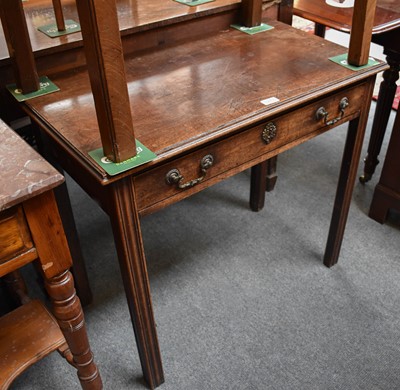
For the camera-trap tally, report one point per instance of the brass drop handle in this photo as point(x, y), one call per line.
point(174, 176)
point(323, 114)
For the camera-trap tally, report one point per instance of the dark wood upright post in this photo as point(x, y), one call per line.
point(251, 12)
point(285, 11)
point(361, 31)
point(128, 239)
point(58, 13)
point(19, 45)
point(348, 172)
point(104, 56)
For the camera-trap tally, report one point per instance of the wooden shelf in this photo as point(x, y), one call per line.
point(27, 334)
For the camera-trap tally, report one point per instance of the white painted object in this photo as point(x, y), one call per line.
point(338, 4)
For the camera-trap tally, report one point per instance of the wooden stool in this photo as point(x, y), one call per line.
point(387, 191)
point(31, 230)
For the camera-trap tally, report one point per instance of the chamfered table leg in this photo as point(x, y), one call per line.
point(384, 103)
point(347, 176)
point(263, 178)
point(128, 239)
point(257, 186)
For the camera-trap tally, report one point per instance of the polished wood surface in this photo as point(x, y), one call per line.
point(31, 230)
point(198, 97)
point(185, 96)
point(133, 15)
point(192, 95)
point(387, 16)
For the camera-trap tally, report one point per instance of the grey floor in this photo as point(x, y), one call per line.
point(241, 299)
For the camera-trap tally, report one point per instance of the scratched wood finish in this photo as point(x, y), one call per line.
point(106, 69)
point(361, 32)
point(194, 96)
point(236, 153)
point(27, 343)
point(19, 46)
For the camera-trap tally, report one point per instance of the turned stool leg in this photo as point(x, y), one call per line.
point(386, 95)
point(67, 310)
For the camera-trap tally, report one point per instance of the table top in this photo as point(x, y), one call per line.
point(133, 16)
point(387, 15)
point(24, 173)
point(188, 95)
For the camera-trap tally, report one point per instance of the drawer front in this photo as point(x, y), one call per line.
point(236, 153)
point(14, 234)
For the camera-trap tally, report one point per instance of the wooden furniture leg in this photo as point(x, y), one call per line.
point(78, 269)
point(127, 236)
point(68, 312)
point(257, 186)
point(387, 191)
point(45, 226)
point(348, 172)
point(16, 288)
point(58, 12)
point(19, 46)
point(386, 95)
point(320, 30)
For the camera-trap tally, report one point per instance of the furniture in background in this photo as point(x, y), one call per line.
point(385, 32)
point(387, 191)
point(31, 230)
point(194, 98)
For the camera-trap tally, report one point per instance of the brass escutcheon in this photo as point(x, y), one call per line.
point(269, 132)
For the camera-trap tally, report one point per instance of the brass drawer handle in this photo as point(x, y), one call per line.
point(174, 176)
point(269, 132)
point(323, 114)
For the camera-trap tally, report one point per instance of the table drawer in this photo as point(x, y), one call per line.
point(15, 238)
point(237, 152)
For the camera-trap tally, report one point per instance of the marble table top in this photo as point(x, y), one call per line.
point(24, 173)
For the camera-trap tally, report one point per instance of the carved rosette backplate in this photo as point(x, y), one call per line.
point(269, 132)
